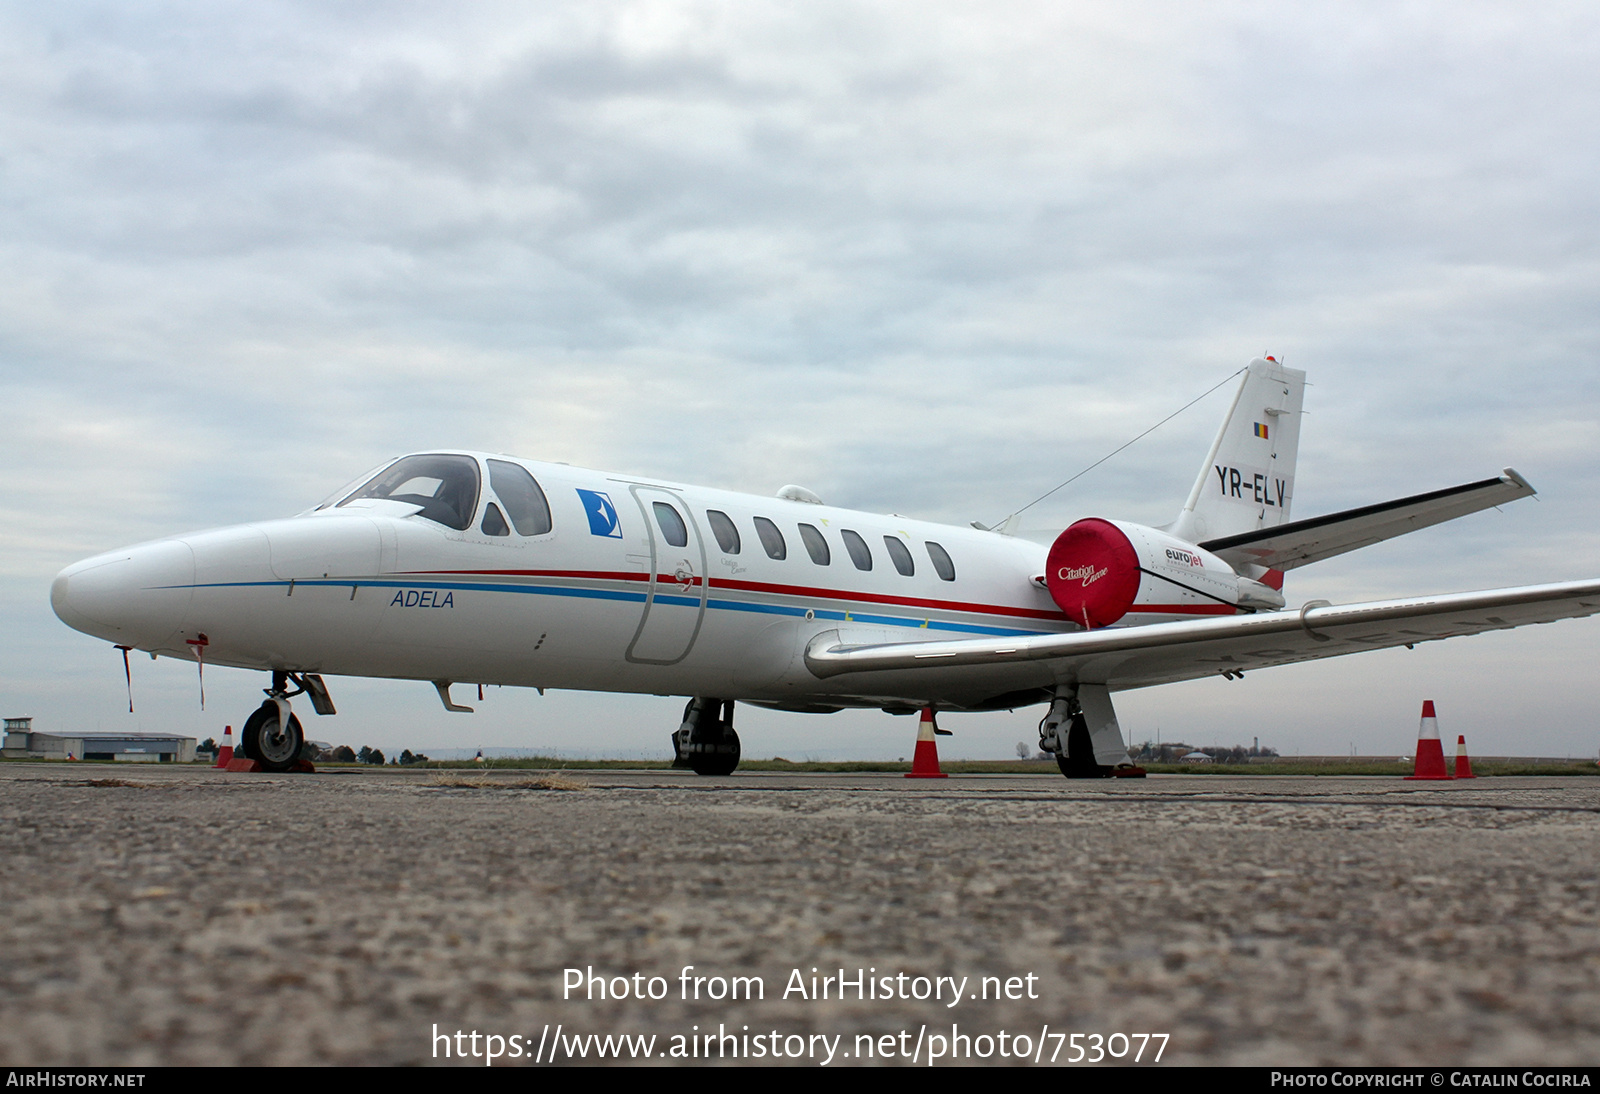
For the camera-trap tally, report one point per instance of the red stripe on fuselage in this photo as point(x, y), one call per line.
point(805, 591)
point(814, 593)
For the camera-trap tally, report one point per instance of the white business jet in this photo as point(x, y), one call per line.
point(484, 569)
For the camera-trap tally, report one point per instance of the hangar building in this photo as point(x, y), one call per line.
point(22, 741)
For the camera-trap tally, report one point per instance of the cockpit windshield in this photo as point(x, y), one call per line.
point(446, 487)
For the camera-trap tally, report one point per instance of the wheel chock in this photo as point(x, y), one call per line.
point(239, 763)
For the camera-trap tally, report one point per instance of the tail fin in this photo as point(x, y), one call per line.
point(1247, 481)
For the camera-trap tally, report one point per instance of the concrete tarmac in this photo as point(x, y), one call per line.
point(163, 915)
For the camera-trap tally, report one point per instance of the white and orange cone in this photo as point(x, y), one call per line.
point(1463, 763)
point(1430, 753)
point(925, 761)
point(225, 753)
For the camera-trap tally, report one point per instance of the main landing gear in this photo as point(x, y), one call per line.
point(706, 741)
point(1079, 749)
point(272, 736)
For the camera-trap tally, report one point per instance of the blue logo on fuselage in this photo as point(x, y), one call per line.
point(602, 514)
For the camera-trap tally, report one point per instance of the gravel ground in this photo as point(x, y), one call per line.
point(159, 915)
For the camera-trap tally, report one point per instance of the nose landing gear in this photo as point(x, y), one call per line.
point(272, 736)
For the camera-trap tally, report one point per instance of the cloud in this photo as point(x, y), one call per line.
point(922, 258)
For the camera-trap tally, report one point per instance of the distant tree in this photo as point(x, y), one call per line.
point(365, 755)
point(342, 755)
point(1023, 751)
point(208, 745)
point(375, 756)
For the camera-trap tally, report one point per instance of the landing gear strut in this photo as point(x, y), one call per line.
point(706, 742)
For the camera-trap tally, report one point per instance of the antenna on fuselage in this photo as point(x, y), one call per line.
point(1008, 525)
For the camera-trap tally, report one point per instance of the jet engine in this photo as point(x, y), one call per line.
point(1101, 570)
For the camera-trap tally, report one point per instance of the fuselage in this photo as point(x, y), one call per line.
point(619, 584)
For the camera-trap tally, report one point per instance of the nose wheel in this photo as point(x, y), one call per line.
point(272, 745)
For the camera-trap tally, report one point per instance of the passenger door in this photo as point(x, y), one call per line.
point(675, 605)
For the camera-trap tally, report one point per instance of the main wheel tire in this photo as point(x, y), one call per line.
point(720, 762)
point(1078, 761)
point(264, 742)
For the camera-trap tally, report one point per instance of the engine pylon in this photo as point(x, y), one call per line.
point(1463, 762)
point(1430, 753)
point(925, 761)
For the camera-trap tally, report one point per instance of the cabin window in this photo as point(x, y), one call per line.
point(726, 531)
point(900, 555)
point(859, 554)
point(941, 561)
point(494, 524)
point(444, 488)
point(672, 526)
point(771, 539)
point(816, 546)
point(520, 494)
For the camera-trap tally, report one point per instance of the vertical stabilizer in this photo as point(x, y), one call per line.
point(1247, 481)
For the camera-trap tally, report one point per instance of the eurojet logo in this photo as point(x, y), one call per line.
point(1087, 574)
point(1184, 557)
point(602, 514)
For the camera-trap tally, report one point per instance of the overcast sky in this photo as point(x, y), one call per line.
point(929, 258)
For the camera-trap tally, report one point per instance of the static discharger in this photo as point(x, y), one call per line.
point(925, 761)
point(1430, 753)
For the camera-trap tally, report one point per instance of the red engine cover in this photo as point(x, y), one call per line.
point(1093, 573)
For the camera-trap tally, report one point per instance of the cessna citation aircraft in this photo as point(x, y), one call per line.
point(462, 567)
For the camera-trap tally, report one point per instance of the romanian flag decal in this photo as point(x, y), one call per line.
point(1261, 431)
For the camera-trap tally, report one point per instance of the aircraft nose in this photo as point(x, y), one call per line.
point(136, 597)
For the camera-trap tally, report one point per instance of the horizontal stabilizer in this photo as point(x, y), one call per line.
point(1305, 541)
point(1161, 653)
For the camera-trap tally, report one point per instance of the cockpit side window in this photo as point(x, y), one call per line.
point(446, 487)
point(493, 523)
point(518, 491)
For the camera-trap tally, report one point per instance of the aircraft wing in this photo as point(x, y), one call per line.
point(1130, 657)
point(1304, 541)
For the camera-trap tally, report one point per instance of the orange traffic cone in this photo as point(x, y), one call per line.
point(925, 761)
point(1463, 764)
point(1430, 753)
point(225, 753)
